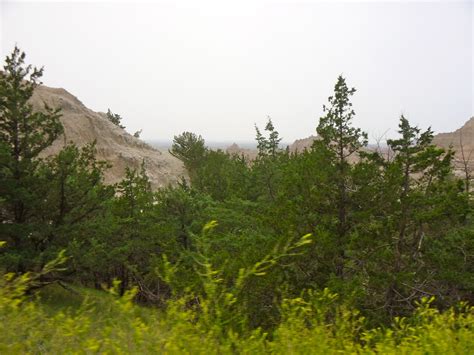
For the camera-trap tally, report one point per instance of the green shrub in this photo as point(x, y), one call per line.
point(312, 323)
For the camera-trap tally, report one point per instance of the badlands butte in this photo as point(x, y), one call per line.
point(113, 144)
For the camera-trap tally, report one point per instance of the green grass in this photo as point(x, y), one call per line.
point(55, 298)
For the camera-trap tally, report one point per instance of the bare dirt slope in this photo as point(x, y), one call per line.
point(300, 145)
point(115, 145)
point(463, 136)
point(248, 154)
point(462, 141)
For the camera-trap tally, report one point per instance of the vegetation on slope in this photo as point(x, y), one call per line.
point(313, 323)
point(330, 249)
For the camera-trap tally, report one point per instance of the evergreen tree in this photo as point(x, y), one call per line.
point(46, 202)
point(136, 234)
point(190, 149)
point(23, 135)
point(265, 169)
point(268, 146)
point(115, 118)
point(73, 204)
point(137, 133)
point(425, 196)
point(342, 140)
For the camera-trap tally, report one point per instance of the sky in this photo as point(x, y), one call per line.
point(217, 68)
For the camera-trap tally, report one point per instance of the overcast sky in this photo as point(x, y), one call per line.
point(218, 67)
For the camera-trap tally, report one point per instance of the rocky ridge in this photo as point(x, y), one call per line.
point(113, 144)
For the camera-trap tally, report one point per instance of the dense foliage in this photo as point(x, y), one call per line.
point(383, 229)
point(313, 323)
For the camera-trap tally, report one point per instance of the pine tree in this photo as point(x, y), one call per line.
point(265, 169)
point(268, 146)
point(137, 133)
point(342, 140)
point(115, 118)
point(190, 149)
point(425, 196)
point(23, 135)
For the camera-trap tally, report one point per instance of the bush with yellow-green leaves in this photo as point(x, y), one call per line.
point(312, 323)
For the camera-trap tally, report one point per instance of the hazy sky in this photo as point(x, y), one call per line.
point(218, 67)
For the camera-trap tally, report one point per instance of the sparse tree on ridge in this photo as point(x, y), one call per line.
point(137, 133)
point(115, 118)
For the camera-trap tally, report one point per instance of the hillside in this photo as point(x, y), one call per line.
point(300, 145)
point(464, 137)
point(121, 149)
point(115, 145)
point(235, 149)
